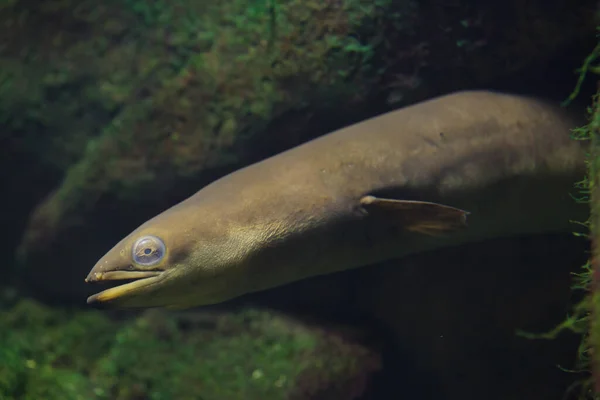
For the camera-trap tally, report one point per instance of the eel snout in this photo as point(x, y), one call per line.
point(140, 281)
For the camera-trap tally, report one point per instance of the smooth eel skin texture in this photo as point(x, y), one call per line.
point(508, 160)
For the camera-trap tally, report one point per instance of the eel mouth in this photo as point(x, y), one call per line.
point(140, 279)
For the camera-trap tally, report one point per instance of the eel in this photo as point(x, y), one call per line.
point(400, 183)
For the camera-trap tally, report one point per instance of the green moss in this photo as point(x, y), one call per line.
point(55, 353)
point(254, 359)
point(46, 353)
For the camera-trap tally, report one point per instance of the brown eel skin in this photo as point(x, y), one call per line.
point(459, 168)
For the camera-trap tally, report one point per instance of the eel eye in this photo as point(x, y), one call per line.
point(148, 250)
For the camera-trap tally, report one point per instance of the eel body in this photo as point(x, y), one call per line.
point(387, 187)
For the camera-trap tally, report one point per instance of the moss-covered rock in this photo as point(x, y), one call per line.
point(68, 354)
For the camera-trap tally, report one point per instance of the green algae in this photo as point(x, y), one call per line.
point(61, 353)
point(47, 352)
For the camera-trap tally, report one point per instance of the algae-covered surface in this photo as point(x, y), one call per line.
point(70, 354)
point(188, 78)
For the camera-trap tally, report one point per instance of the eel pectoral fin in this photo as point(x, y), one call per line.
point(418, 216)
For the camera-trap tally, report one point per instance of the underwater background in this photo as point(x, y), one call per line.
point(112, 111)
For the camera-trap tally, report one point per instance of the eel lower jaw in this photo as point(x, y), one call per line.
point(141, 279)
